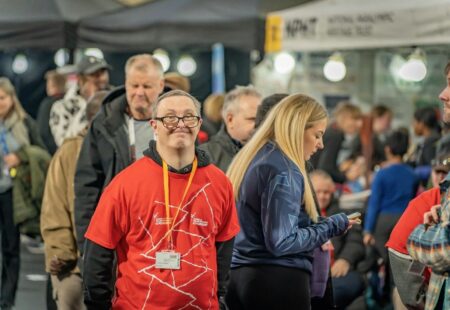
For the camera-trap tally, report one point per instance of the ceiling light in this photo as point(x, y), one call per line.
point(414, 70)
point(186, 65)
point(334, 69)
point(163, 58)
point(20, 64)
point(284, 63)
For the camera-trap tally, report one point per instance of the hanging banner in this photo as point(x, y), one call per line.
point(351, 24)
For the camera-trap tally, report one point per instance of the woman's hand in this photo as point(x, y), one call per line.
point(432, 217)
point(11, 160)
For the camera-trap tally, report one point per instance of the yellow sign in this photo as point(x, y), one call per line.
point(274, 33)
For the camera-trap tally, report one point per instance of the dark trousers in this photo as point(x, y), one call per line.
point(347, 288)
point(268, 287)
point(10, 251)
point(383, 228)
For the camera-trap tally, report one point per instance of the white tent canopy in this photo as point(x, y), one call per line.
point(353, 24)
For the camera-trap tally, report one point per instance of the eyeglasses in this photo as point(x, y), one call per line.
point(172, 121)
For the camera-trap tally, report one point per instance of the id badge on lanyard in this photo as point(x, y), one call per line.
point(170, 259)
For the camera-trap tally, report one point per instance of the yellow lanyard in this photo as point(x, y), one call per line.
point(166, 196)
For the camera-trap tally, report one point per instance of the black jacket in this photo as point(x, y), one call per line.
point(99, 267)
point(221, 149)
point(105, 152)
point(43, 118)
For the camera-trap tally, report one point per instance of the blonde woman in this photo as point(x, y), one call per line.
point(17, 130)
point(272, 256)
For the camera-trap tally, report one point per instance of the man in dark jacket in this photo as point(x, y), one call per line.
point(239, 113)
point(118, 136)
point(346, 251)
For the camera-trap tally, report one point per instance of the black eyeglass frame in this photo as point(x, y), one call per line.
point(175, 125)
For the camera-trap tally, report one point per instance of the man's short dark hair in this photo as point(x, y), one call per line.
point(266, 105)
point(429, 116)
point(380, 110)
point(398, 142)
point(447, 68)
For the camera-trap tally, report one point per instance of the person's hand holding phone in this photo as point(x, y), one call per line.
point(353, 219)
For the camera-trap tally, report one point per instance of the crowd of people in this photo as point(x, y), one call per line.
point(143, 203)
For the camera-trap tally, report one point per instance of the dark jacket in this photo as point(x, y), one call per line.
point(221, 149)
point(326, 159)
point(378, 155)
point(277, 229)
point(426, 152)
point(210, 127)
point(43, 119)
point(105, 152)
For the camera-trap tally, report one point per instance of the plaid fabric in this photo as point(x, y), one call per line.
point(431, 246)
point(438, 281)
point(434, 289)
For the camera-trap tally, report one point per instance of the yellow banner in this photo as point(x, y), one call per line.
point(274, 33)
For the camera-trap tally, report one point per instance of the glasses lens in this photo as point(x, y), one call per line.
point(170, 121)
point(190, 121)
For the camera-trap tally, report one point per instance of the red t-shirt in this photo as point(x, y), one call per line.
point(411, 217)
point(130, 218)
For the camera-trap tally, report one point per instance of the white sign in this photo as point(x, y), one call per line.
point(350, 24)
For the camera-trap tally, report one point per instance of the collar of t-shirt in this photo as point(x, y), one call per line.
point(202, 157)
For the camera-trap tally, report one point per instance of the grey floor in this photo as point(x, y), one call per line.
point(32, 282)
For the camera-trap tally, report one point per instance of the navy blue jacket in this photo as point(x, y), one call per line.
point(275, 228)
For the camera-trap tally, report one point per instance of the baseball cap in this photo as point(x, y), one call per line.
point(91, 64)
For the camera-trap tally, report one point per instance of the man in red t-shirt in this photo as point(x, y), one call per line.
point(171, 219)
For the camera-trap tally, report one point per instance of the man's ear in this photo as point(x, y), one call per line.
point(229, 119)
point(161, 86)
point(152, 123)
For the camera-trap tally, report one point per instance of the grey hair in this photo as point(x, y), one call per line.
point(143, 63)
point(176, 93)
point(232, 98)
point(321, 174)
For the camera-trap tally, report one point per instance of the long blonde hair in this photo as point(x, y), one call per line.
point(285, 125)
point(8, 88)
